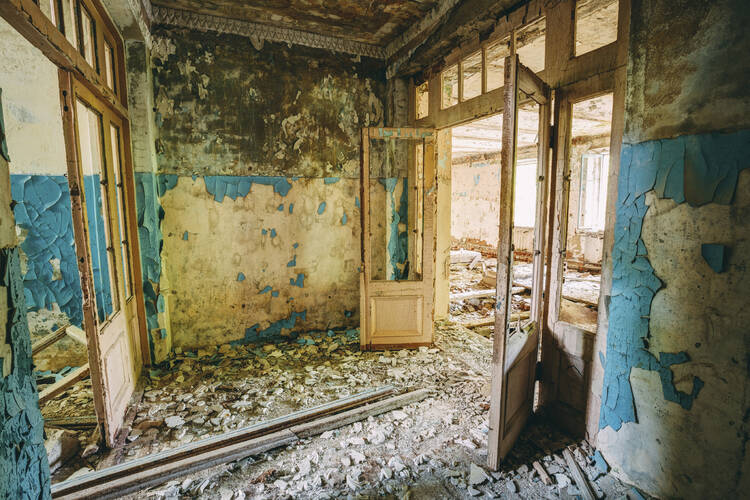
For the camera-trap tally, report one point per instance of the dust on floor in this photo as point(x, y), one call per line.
point(432, 449)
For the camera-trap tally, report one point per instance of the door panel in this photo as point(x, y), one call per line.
point(516, 345)
point(397, 188)
point(112, 353)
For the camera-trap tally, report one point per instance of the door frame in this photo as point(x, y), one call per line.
point(422, 291)
point(70, 89)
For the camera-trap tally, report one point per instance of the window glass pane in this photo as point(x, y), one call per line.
point(109, 65)
point(593, 198)
point(496, 54)
point(450, 86)
point(530, 45)
point(100, 244)
point(596, 24)
point(120, 195)
point(472, 75)
point(89, 38)
point(396, 210)
point(423, 100)
point(70, 22)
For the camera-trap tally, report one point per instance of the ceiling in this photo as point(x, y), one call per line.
point(375, 22)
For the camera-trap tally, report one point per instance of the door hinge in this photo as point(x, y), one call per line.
point(538, 373)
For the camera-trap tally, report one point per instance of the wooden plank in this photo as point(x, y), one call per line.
point(59, 387)
point(539, 468)
point(173, 469)
point(155, 469)
point(72, 422)
point(48, 340)
point(401, 133)
point(531, 85)
point(579, 476)
point(491, 321)
point(76, 334)
point(203, 446)
point(335, 421)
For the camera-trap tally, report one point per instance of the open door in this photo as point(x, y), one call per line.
point(95, 150)
point(398, 203)
point(516, 343)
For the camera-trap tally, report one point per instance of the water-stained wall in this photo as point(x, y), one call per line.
point(256, 199)
point(674, 412)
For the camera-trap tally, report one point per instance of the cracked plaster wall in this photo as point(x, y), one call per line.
point(674, 400)
point(257, 203)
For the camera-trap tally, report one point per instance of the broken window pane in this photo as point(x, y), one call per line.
point(450, 86)
point(530, 45)
point(423, 100)
point(496, 54)
point(596, 24)
point(396, 208)
point(89, 125)
point(109, 65)
point(88, 42)
point(593, 199)
point(114, 134)
point(471, 69)
point(69, 22)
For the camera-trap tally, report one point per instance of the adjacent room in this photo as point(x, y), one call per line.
point(405, 249)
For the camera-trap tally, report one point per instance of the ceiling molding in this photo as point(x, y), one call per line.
point(431, 19)
point(259, 32)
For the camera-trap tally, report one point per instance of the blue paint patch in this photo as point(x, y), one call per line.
point(273, 331)
point(696, 169)
point(600, 462)
point(161, 305)
point(273, 233)
point(240, 276)
point(321, 208)
point(348, 314)
point(331, 180)
point(43, 210)
point(165, 182)
point(295, 245)
point(280, 208)
point(715, 256)
point(266, 289)
point(356, 202)
point(343, 219)
point(291, 208)
point(476, 179)
point(264, 231)
point(234, 185)
point(300, 281)
point(292, 262)
point(275, 293)
point(185, 236)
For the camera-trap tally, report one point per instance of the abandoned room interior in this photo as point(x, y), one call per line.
point(398, 249)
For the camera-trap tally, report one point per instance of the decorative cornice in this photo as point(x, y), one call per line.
point(259, 32)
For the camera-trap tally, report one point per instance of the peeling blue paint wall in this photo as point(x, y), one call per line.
point(24, 470)
point(696, 170)
point(43, 211)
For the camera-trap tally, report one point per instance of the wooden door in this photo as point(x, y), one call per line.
point(516, 344)
point(111, 316)
point(398, 206)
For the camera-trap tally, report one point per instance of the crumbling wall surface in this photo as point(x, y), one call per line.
point(39, 187)
point(675, 392)
point(24, 471)
point(256, 233)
